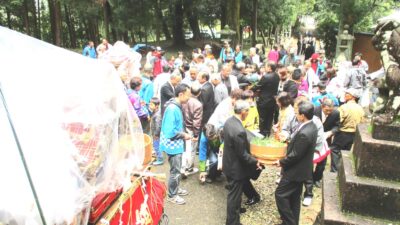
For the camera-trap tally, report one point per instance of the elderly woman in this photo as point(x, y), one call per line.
point(286, 114)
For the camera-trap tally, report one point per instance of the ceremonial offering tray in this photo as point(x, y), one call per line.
point(267, 150)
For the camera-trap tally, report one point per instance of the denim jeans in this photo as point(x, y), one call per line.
point(175, 163)
point(213, 165)
point(156, 147)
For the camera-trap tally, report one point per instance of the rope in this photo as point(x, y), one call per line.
point(21, 153)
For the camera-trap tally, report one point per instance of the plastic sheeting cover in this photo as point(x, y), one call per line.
point(76, 126)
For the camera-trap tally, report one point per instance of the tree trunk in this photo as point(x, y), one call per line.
point(179, 38)
point(191, 13)
point(8, 17)
point(161, 18)
point(233, 16)
point(26, 17)
point(55, 21)
point(106, 10)
point(39, 22)
point(263, 38)
point(254, 23)
point(32, 8)
point(70, 25)
point(133, 36)
point(212, 32)
point(157, 22)
point(223, 13)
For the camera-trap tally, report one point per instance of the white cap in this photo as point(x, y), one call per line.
point(158, 48)
point(207, 46)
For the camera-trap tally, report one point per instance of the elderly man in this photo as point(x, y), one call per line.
point(192, 78)
point(168, 89)
point(220, 90)
point(330, 118)
point(193, 111)
point(297, 165)
point(229, 80)
point(255, 58)
point(351, 114)
point(172, 139)
point(206, 97)
point(237, 162)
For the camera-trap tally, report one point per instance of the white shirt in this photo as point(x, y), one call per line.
point(323, 116)
point(160, 80)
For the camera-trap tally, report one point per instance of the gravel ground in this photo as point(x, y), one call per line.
point(206, 204)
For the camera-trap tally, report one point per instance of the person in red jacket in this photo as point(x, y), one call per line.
point(157, 62)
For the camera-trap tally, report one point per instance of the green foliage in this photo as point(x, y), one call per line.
point(270, 142)
point(137, 20)
point(361, 15)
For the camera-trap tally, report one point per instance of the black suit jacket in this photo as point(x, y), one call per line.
point(237, 163)
point(267, 88)
point(166, 92)
point(207, 99)
point(298, 163)
point(332, 122)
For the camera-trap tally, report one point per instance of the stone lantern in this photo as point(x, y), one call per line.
point(344, 45)
point(227, 34)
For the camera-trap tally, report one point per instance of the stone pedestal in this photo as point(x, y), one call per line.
point(366, 189)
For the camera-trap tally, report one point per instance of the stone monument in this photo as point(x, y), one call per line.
point(344, 45)
point(366, 189)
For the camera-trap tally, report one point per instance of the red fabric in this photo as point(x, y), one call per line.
point(85, 138)
point(156, 191)
point(157, 66)
point(101, 203)
point(314, 61)
point(321, 155)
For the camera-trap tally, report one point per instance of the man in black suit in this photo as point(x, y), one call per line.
point(267, 88)
point(206, 97)
point(330, 118)
point(167, 91)
point(297, 165)
point(237, 163)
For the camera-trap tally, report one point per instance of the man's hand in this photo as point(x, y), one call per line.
point(277, 163)
point(328, 134)
point(259, 165)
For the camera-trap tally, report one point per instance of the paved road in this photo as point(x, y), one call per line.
point(205, 204)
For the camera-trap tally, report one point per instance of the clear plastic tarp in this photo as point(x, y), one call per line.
point(75, 125)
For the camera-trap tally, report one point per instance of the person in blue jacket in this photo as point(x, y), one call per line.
point(316, 100)
point(210, 142)
point(172, 140)
point(89, 50)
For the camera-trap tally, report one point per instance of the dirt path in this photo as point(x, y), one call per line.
point(206, 204)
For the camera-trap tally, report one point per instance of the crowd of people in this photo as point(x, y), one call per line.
point(207, 106)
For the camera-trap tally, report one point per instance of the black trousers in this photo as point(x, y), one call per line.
point(287, 197)
point(319, 170)
point(237, 187)
point(317, 176)
point(308, 192)
point(266, 114)
point(342, 141)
